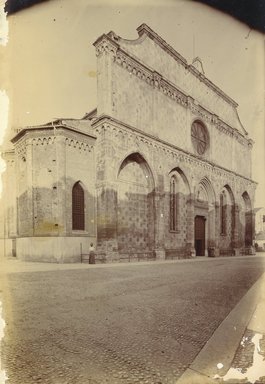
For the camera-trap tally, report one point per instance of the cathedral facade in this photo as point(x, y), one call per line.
point(161, 169)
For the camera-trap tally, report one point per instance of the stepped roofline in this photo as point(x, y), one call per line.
point(145, 30)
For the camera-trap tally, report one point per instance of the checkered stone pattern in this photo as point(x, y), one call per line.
point(226, 239)
point(135, 210)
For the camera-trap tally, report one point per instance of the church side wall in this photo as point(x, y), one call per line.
point(8, 220)
point(51, 164)
point(80, 167)
point(44, 171)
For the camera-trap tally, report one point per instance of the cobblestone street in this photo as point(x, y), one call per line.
point(117, 324)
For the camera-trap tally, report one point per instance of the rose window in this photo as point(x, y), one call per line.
point(199, 137)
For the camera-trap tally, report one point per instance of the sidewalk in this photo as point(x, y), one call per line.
point(14, 265)
point(236, 351)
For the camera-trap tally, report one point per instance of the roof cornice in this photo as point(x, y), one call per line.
point(144, 29)
point(48, 127)
point(105, 119)
point(153, 78)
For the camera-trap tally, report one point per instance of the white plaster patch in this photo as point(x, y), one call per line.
point(253, 373)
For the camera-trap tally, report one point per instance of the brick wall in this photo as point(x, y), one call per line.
point(80, 166)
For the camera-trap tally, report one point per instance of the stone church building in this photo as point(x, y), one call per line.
point(160, 169)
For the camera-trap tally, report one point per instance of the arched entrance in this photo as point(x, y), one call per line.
point(204, 218)
point(227, 220)
point(135, 225)
point(247, 220)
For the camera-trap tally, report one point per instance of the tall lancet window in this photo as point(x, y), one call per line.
point(223, 207)
point(78, 207)
point(173, 204)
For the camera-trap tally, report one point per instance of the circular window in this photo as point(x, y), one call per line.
point(199, 137)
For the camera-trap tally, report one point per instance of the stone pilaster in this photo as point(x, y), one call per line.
point(29, 180)
point(159, 247)
point(213, 235)
point(190, 249)
point(236, 243)
point(105, 51)
point(107, 247)
point(60, 191)
point(216, 246)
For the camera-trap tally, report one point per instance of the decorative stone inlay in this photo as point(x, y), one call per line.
point(170, 152)
point(45, 140)
point(105, 44)
point(21, 150)
point(72, 142)
point(78, 144)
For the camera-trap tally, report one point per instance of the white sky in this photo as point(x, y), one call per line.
point(49, 67)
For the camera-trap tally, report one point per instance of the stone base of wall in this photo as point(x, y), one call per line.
point(160, 254)
point(180, 253)
point(248, 251)
point(228, 252)
point(53, 249)
point(137, 256)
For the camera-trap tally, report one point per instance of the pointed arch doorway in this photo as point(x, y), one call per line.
point(135, 208)
point(204, 218)
point(199, 232)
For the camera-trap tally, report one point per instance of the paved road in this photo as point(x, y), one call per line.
point(140, 323)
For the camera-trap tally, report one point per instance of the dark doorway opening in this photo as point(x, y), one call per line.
point(200, 235)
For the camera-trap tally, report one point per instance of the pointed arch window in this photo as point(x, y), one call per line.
point(248, 219)
point(78, 207)
point(173, 204)
point(223, 213)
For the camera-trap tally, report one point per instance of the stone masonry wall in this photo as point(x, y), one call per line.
point(118, 143)
point(8, 206)
point(148, 108)
point(150, 96)
point(44, 184)
point(149, 51)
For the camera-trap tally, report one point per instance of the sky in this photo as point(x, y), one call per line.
point(49, 62)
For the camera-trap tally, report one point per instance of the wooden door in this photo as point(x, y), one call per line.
point(200, 235)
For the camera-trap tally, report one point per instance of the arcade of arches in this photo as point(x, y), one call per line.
point(175, 219)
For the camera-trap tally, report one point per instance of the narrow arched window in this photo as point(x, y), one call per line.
point(78, 207)
point(173, 204)
point(223, 215)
